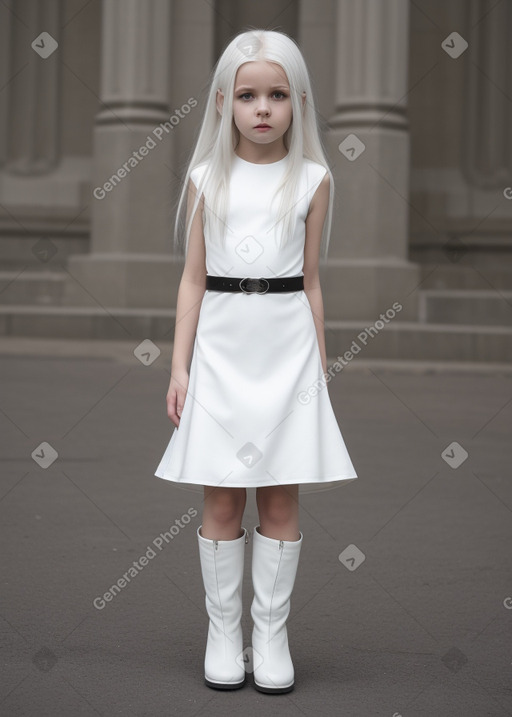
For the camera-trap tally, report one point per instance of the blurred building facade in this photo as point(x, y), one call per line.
point(100, 105)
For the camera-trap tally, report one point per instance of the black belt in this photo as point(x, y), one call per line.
point(253, 285)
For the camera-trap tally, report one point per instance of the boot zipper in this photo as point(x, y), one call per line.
point(246, 537)
point(281, 543)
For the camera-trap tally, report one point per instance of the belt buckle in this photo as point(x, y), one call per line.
point(258, 283)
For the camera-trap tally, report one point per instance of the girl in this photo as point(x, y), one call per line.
point(254, 410)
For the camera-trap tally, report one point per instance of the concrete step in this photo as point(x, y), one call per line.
point(414, 341)
point(345, 339)
point(86, 322)
point(43, 249)
point(466, 306)
point(458, 276)
point(25, 286)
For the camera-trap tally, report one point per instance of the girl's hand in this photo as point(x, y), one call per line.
point(176, 395)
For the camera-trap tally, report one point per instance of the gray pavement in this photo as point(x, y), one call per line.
point(421, 626)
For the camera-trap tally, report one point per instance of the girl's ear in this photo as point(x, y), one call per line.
point(220, 101)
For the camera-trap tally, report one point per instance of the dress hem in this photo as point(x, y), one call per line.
point(179, 481)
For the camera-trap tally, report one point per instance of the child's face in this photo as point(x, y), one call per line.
point(262, 95)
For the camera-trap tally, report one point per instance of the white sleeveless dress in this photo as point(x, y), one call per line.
point(252, 416)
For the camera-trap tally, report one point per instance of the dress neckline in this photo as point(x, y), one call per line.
point(260, 164)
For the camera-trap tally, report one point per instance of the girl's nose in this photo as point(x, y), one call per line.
point(263, 106)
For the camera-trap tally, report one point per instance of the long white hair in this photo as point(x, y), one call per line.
point(218, 137)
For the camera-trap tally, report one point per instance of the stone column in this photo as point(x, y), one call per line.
point(368, 146)
point(5, 78)
point(487, 150)
point(132, 183)
point(30, 65)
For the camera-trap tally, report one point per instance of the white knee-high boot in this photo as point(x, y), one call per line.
point(274, 566)
point(222, 568)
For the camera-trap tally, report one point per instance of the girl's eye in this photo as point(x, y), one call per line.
point(249, 94)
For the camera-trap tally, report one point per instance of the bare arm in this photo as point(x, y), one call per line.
point(314, 226)
point(190, 295)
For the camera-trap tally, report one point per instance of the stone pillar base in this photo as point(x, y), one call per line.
point(362, 289)
point(128, 280)
point(352, 289)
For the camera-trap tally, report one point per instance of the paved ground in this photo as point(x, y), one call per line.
point(422, 626)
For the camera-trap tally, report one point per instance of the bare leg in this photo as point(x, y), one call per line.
point(278, 509)
point(223, 510)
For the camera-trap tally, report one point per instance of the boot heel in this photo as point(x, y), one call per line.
point(224, 685)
